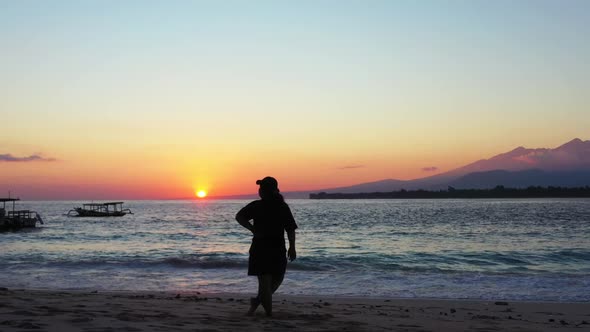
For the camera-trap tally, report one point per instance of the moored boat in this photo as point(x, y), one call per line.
point(108, 209)
point(17, 219)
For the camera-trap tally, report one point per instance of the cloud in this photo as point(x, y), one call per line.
point(430, 169)
point(35, 157)
point(351, 167)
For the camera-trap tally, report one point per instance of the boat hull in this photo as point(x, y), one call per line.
point(86, 213)
point(7, 224)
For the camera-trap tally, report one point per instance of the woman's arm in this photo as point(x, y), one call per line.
point(245, 222)
point(244, 216)
point(291, 253)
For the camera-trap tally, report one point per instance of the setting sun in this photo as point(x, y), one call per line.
point(201, 193)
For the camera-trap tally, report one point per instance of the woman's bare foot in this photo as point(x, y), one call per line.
point(254, 303)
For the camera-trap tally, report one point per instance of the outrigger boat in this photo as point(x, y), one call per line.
point(17, 219)
point(109, 209)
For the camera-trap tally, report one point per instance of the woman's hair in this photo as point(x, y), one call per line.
point(270, 194)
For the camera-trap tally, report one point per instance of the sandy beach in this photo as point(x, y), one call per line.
point(94, 311)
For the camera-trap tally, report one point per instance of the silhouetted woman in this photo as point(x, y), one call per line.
point(268, 256)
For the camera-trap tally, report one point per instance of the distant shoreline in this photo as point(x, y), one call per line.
point(497, 192)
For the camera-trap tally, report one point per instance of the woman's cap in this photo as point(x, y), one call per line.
point(268, 182)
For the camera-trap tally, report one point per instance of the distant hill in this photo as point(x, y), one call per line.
point(567, 165)
point(522, 179)
point(496, 192)
point(573, 155)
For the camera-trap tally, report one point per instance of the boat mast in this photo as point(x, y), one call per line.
point(13, 202)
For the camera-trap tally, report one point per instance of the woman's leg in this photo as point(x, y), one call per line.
point(265, 290)
point(255, 301)
point(277, 280)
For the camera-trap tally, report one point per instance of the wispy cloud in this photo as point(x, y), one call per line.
point(430, 169)
point(7, 157)
point(351, 167)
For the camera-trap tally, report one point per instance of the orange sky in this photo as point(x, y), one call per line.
point(133, 173)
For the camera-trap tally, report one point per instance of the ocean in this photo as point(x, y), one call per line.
point(510, 249)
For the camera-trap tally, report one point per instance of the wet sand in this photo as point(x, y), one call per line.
point(92, 311)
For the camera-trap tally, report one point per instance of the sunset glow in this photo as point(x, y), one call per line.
point(201, 194)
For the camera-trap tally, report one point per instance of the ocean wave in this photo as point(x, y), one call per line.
point(203, 262)
point(574, 255)
point(562, 261)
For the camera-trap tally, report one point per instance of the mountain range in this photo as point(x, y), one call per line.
point(567, 165)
